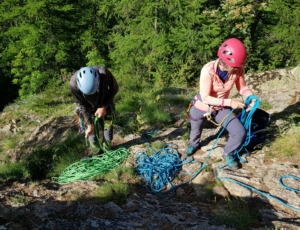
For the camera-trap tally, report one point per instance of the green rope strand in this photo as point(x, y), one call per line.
point(90, 167)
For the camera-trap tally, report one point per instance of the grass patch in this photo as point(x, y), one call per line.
point(9, 142)
point(210, 186)
point(116, 191)
point(49, 162)
point(13, 170)
point(264, 105)
point(115, 184)
point(120, 173)
point(50, 103)
point(20, 200)
point(287, 145)
point(157, 145)
point(146, 106)
point(236, 214)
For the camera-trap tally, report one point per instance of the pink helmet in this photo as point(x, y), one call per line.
point(233, 52)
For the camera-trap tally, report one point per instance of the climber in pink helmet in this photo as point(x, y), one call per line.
point(217, 78)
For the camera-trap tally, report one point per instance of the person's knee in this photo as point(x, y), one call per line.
point(241, 133)
point(92, 138)
point(238, 135)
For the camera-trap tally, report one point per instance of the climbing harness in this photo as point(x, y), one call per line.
point(209, 118)
point(90, 167)
point(207, 115)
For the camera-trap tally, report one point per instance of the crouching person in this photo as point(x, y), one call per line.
point(93, 89)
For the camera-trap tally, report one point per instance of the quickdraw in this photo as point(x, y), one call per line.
point(188, 110)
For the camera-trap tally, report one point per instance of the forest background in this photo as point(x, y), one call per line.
point(146, 44)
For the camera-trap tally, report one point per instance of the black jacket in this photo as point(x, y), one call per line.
point(88, 104)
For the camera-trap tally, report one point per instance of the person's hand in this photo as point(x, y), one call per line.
point(100, 112)
point(235, 104)
point(89, 130)
point(250, 105)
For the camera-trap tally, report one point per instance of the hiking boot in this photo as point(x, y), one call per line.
point(190, 150)
point(231, 162)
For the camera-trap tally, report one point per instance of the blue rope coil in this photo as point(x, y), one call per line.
point(158, 171)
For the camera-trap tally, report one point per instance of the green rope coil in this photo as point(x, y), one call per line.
point(90, 167)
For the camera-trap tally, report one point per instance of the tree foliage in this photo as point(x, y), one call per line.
point(161, 42)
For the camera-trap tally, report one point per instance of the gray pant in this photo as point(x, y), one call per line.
point(105, 134)
point(235, 128)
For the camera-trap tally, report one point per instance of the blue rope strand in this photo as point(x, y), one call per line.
point(246, 119)
point(159, 170)
point(287, 187)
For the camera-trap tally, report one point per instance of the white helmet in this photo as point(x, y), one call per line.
point(87, 80)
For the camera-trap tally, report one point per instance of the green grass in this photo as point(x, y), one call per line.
point(115, 184)
point(51, 161)
point(236, 214)
point(9, 142)
point(13, 170)
point(20, 200)
point(157, 145)
point(50, 103)
point(264, 105)
point(116, 191)
point(287, 145)
point(210, 186)
point(143, 106)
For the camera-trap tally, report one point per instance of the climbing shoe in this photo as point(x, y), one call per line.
point(190, 150)
point(231, 162)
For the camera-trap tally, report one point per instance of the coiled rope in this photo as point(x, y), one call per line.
point(93, 166)
point(90, 167)
point(158, 171)
point(246, 119)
